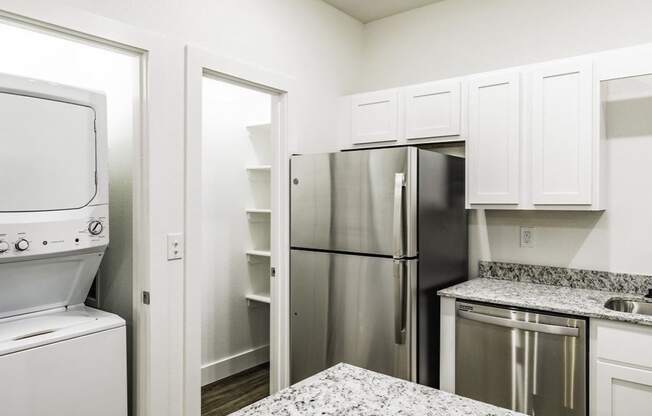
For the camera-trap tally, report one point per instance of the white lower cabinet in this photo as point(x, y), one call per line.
point(622, 390)
point(621, 369)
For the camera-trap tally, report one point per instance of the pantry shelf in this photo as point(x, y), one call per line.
point(259, 298)
point(259, 168)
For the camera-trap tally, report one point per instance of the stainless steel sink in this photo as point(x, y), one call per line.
point(630, 306)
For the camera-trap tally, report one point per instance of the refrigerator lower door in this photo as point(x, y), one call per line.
point(353, 309)
point(358, 202)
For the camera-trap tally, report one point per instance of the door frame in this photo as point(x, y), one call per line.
point(157, 182)
point(198, 63)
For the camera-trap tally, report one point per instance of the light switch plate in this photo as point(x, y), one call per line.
point(175, 246)
point(527, 237)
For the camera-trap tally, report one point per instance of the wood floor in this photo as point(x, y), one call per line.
point(235, 392)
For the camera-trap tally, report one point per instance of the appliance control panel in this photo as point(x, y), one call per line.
point(51, 233)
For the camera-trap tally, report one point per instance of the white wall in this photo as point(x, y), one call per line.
point(40, 55)
point(307, 40)
point(234, 336)
point(458, 37)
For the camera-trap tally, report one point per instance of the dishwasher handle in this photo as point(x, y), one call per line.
point(566, 331)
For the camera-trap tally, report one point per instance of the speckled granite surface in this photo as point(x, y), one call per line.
point(567, 300)
point(351, 391)
point(560, 276)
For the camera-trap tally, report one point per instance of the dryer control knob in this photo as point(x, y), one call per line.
point(4, 246)
point(95, 227)
point(22, 244)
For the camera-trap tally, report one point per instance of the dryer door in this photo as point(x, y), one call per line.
point(48, 156)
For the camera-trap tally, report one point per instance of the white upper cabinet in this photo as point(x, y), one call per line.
point(374, 117)
point(535, 135)
point(432, 109)
point(493, 140)
point(562, 132)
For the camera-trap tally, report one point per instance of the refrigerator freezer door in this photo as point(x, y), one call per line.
point(358, 202)
point(353, 309)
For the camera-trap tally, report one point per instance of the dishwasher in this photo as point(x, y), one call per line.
point(526, 361)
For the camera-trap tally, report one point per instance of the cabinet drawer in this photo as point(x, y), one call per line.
point(622, 342)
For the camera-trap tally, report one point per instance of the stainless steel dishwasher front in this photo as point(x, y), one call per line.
point(526, 361)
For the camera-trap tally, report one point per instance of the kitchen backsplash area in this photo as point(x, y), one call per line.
point(567, 277)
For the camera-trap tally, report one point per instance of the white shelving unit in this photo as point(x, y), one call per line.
point(259, 215)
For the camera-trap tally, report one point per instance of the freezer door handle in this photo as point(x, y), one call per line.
point(400, 302)
point(399, 232)
point(566, 331)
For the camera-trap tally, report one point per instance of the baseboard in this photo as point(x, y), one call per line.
point(234, 364)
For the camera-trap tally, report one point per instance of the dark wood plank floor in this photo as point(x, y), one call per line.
point(235, 392)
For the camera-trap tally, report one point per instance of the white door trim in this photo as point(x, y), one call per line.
point(158, 182)
point(199, 62)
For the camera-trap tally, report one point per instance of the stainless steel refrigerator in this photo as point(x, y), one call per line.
point(374, 235)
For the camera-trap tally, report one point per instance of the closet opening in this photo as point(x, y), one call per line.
point(238, 172)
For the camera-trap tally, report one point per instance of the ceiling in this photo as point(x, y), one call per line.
point(368, 10)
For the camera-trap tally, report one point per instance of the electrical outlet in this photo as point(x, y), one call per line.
point(175, 246)
point(527, 237)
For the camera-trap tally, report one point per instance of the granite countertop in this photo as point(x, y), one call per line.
point(566, 300)
point(347, 390)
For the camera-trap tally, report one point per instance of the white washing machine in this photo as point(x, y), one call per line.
point(57, 356)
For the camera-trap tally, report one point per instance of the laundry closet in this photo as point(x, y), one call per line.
point(237, 223)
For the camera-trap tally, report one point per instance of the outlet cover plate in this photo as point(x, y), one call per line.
point(175, 246)
point(527, 237)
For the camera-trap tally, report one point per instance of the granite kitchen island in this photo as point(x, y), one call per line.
point(348, 390)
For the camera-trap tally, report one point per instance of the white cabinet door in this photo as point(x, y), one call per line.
point(374, 117)
point(622, 390)
point(562, 133)
point(493, 142)
point(432, 109)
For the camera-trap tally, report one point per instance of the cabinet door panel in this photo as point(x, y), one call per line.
point(432, 110)
point(493, 141)
point(562, 133)
point(622, 390)
point(374, 117)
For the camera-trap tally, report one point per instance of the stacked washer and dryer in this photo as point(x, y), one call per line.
point(57, 356)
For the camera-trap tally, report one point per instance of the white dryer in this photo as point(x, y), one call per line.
point(57, 356)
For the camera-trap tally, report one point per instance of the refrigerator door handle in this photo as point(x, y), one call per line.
point(400, 302)
point(399, 232)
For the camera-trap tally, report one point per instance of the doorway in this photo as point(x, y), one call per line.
point(236, 219)
point(236, 281)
